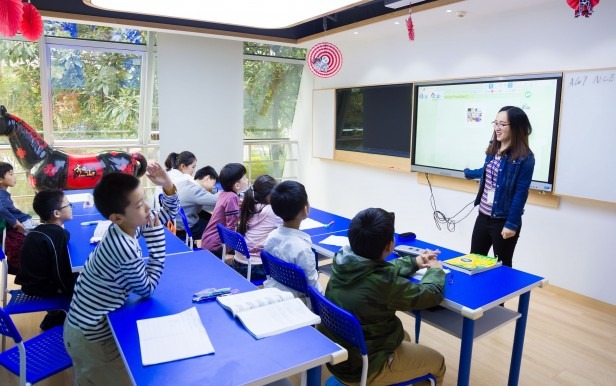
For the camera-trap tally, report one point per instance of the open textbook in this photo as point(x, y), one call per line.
point(269, 311)
point(472, 263)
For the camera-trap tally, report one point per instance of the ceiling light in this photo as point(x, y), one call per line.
point(396, 22)
point(267, 14)
point(355, 33)
point(449, 11)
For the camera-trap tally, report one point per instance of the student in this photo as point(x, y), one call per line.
point(226, 212)
point(45, 266)
point(18, 223)
point(181, 166)
point(114, 269)
point(373, 289)
point(503, 188)
point(257, 220)
point(197, 201)
point(289, 201)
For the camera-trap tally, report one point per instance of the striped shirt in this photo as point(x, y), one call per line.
point(227, 213)
point(114, 269)
point(492, 169)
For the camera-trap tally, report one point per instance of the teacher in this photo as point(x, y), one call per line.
point(503, 189)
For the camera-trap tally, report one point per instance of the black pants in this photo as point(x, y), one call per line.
point(487, 233)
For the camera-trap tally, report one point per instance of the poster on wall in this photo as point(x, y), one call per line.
point(324, 60)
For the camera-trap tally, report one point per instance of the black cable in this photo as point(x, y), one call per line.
point(440, 218)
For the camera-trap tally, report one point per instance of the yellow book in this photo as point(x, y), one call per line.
point(472, 263)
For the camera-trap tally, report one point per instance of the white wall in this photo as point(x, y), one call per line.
point(200, 88)
point(572, 245)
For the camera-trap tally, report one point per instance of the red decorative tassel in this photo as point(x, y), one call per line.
point(582, 7)
point(11, 12)
point(409, 26)
point(31, 24)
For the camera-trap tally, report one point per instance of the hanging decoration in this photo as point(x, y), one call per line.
point(324, 60)
point(11, 12)
point(582, 7)
point(31, 23)
point(409, 26)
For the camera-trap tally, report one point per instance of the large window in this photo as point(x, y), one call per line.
point(272, 76)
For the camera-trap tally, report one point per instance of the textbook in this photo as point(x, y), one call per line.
point(269, 311)
point(472, 263)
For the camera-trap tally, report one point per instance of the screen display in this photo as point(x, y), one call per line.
point(452, 124)
point(375, 119)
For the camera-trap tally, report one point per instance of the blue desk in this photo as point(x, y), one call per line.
point(239, 359)
point(471, 305)
point(80, 208)
point(79, 247)
point(340, 223)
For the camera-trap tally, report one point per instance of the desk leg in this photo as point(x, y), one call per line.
point(518, 340)
point(314, 376)
point(466, 352)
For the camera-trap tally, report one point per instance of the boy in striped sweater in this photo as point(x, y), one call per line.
point(114, 269)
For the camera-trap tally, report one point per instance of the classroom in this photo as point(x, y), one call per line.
point(201, 107)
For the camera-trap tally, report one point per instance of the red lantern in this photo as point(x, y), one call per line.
point(582, 7)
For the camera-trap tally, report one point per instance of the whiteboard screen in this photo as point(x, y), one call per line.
point(323, 123)
point(585, 163)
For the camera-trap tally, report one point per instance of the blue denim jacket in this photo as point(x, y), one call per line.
point(512, 184)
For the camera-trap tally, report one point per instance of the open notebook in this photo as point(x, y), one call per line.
point(269, 311)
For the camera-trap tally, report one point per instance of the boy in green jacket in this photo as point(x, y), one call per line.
point(373, 289)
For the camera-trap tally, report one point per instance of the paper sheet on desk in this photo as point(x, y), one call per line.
point(310, 224)
point(86, 198)
point(99, 232)
point(173, 337)
point(339, 241)
point(421, 272)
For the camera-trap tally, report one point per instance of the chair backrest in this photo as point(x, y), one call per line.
point(3, 277)
point(233, 240)
point(189, 237)
point(7, 327)
point(286, 273)
point(342, 323)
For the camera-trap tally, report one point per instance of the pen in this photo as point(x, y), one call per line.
point(330, 224)
point(90, 222)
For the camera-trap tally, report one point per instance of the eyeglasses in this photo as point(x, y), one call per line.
point(69, 205)
point(500, 125)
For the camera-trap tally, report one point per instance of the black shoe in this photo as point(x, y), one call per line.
point(52, 319)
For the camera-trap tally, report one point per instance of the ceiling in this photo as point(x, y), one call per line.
point(368, 12)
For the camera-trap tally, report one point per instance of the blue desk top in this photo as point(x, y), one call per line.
point(469, 295)
point(79, 247)
point(239, 358)
point(340, 223)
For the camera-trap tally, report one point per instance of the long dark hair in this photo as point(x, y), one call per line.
point(258, 193)
point(174, 160)
point(520, 129)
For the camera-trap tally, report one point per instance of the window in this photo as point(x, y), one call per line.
point(95, 93)
point(272, 76)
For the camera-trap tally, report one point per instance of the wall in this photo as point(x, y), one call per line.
point(200, 88)
point(571, 245)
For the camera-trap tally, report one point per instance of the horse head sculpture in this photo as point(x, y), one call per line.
point(49, 168)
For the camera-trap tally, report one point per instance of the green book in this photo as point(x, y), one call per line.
point(472, 263)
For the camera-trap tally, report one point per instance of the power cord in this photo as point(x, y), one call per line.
point(440, 218)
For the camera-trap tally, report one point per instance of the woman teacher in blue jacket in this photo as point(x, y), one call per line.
point(503, 189)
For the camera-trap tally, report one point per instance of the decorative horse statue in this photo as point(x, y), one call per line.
point(49, 168)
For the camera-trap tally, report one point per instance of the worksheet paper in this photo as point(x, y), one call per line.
point(310, 224)
point(173, 337)
point(339, 241)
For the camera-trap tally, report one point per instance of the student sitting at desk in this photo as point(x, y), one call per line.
point(116, 268)
point(198, 202)
point(373, 289)
point(257, 220)
point(227, 210)
point(44, 263)
point(290, 202)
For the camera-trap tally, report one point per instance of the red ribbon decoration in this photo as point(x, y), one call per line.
point(582, 7)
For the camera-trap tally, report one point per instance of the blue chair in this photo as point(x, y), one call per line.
point(35, 359)
point(236, 241)
point(21, 303)
point(189, 237)
point(345, 325)
point(286, 273)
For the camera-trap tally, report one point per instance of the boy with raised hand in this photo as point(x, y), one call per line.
point(289, 201)
point(373, 289)
point(227, 210)
point(114, 269)
point(45, 266)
